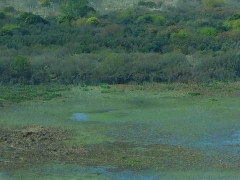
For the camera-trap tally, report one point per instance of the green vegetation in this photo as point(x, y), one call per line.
point(17, 94)
point(29, 18)
point(158, 87)
point(128, 127)
point(195, 42)
point(44, 3)
point(208, 31)
point(76, 8)
point(213, 3)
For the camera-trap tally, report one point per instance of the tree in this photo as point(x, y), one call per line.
point(213, 3)
point(151, 19)
point(30, 18)
point(21, 67)
point(44, 3)
point(2, 15)
point(76, 8)
point(208, 31)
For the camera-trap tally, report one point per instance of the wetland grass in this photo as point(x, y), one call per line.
point(138, 128)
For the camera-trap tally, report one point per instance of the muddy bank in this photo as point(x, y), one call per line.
point(21, 147)
point(24, 147)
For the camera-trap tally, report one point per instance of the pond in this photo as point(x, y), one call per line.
point(147, 135)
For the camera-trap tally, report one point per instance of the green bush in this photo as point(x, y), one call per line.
point(67, 20)
point(93, 21)
point(21, 67)
point(126, 16)
point(44, 3)
point(213, 3)
point(76, 8)
point(2, 15)
point(208, 31)
point(182, 34)
point(30, 18)
point(9, 9)
point(194, 93)
point(151, 19)
point(8, 29)
point(149, 4)
point(232, 24)
point(236, 24)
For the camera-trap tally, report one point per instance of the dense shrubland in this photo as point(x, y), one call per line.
point(188, 42)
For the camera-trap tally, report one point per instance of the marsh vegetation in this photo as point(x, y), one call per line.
point(131, 132)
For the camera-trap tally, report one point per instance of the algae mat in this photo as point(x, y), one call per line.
point(133, 134)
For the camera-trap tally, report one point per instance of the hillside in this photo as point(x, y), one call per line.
point(162, 41)
point(104, 6)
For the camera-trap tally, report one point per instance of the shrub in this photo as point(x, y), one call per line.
point(76, 8)
point(2, 15)
point(151, 18)
point(82, 49)
point(232, 24)
point(182, 34)
point(236, 24)
point(194, 93)
point(213, 3)
point(44, 3)
point(8, 29)
point(30, 18)
point(234, 17)
point(9, 9)
point(66, 20)
point(110, 67)
point(208, 31)
point(93, 21)
point(21, 67)
point(86, 21)
point(126, 16)
point(149, 4)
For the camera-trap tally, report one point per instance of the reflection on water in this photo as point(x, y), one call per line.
point(79, 172)
point(74, 172)
point(80, 117)
point(188, 122)
point(234, 139)
point(2, 175)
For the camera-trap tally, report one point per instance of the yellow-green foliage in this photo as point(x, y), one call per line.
point(80, 22)
point(151, 18)
point(236, 24)
point(232, 24)
point(213, 3)
point(227, 24)
point(111, 63)
point(44, 3)
point(123, 15)
point(182, 34)
point(230, 35)
point(20, 66)
point(8, 28)
point(208, 31)
point(93, 21)
point(87, 21)
point(67, 20)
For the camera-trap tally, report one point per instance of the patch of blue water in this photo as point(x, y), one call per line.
point(80, 117)
point(122, 175)
point(64, 171)
point(3, 176)
point(234, 139)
